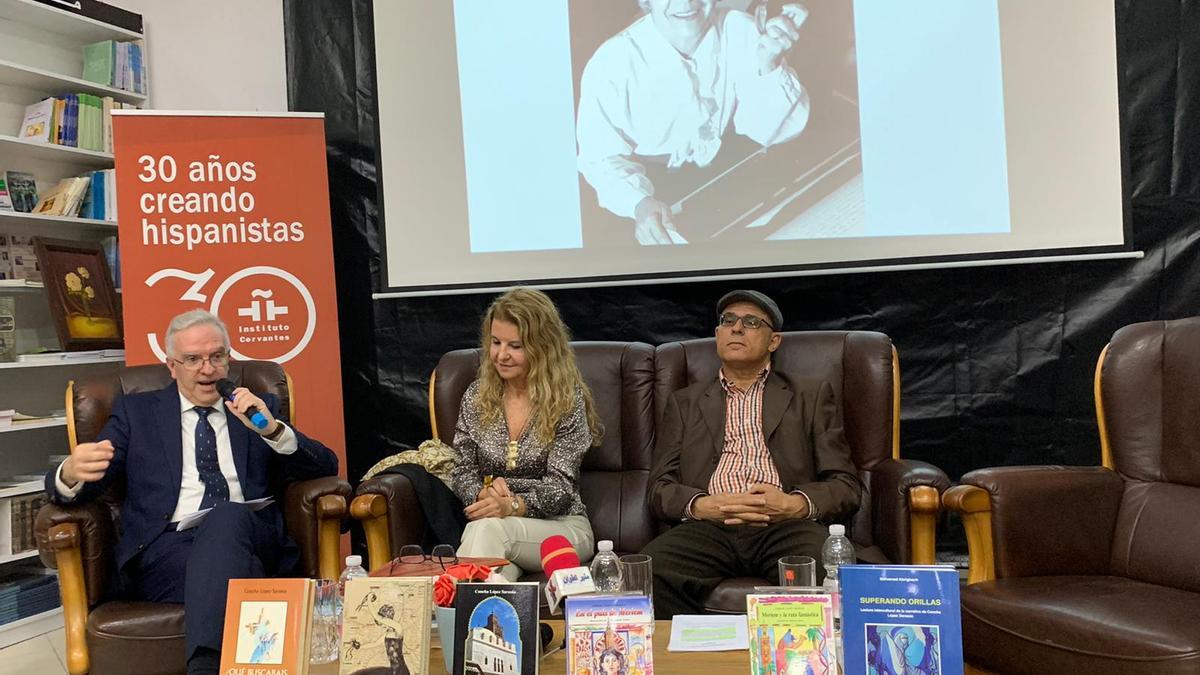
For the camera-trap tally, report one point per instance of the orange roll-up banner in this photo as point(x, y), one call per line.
point(229, 212)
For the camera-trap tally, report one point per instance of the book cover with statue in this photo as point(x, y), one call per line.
point(496, 628)
point(901, 619)
point(268, 623)
point(791, 633)
point(386, 625)
point(609, 634)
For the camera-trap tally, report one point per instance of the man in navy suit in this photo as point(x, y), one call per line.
point(183, 449)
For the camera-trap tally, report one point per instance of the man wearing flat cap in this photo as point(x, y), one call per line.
point(750, 464)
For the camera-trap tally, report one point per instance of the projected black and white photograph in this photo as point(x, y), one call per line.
point(707, 119)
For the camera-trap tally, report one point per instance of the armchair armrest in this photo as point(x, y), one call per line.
point(1015, 515)
point(905, 504)
point(76, 539)
point(313, 510)
point(391, 516)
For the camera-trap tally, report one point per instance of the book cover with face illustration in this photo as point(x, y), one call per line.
point(386, 625)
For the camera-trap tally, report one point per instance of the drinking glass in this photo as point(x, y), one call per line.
point(325, 639)
point(797, 570)
point(637, 575)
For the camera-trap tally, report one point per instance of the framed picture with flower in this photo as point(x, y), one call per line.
point(81, 295)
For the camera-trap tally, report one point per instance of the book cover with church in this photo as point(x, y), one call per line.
point(268, 623)
point(609, 634)
point(901, 619)
point(496, 628)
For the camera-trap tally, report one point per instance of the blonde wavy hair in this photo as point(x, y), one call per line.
point(553, 374)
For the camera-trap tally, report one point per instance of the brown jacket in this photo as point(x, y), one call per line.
point(802, 423)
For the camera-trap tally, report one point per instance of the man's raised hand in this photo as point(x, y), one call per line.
point(88, 463)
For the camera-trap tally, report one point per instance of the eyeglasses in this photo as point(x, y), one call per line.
point(196, 362)
point(442, 554)
point(749, 321)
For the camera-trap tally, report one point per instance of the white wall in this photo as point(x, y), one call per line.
point(214, 54)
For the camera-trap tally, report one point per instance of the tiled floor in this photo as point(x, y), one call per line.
point(42, 654)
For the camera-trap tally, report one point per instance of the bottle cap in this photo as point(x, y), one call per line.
point(604, 545)
point(837, 530)
point(354, 561)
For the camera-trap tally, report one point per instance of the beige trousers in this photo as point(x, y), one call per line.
point(520, 540)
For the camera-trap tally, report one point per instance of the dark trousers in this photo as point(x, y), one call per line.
point(692, 558)
point(194, 566)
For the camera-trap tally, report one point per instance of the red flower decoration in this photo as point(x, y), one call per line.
point(444, 587)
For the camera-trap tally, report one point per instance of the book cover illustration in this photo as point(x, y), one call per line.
point(901, 619)
point(496, 629)
point(611, 635)
point(22, 189)
point(791, 633)
point(267, 624)
point(386, 625)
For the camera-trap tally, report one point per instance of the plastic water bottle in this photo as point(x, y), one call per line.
point(354, 570)
point(836, 552)
point(606, 568)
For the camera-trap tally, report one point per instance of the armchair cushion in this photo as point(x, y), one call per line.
point(1051, 520)
point(1077, 624)
point(153, 629)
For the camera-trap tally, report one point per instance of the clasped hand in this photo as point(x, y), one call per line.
point(760, 506)
point(494, 501)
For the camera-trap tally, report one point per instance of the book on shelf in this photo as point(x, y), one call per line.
point(268, 624)
point(791, 633)
point(22, 188)
point(72, 357)
point(116, 64)
point(27, 591)
point(496, 628)
point(609, 631)
point(18, 513)
point(386, 625)
point(8, 328)
point(22, 255)
point(39, 122)
point(901, 619)
point(65, 198)
point(6, 203)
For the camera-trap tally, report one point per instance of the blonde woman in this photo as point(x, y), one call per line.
point(523, 429)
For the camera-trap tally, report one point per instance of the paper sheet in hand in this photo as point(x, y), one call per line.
point(193, 519)
point(708, 633)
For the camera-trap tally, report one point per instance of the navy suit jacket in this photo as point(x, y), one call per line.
point(148, 441)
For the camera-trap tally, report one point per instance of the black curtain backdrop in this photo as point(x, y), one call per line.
point(996, 362)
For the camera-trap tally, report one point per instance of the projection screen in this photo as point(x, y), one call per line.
point(556, 141)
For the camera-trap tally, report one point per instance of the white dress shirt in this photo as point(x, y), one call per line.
point(191, 488)
point(641, 96)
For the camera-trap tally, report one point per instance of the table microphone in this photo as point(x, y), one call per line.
point(225, 389)
point(565, 575)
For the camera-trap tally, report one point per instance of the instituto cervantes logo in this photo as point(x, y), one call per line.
point(269, 311)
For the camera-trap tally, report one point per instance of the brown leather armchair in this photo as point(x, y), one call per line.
point(1097, 569)
point(631, 381)
point(613, 476)
point(897, 517)
point(146, 637)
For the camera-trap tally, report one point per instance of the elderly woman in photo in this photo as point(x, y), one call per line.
point(523, 429)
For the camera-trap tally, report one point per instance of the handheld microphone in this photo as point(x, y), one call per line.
point(566, 576)
point(225, 389)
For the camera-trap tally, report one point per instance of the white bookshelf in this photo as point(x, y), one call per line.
point(30, 627)
point(54, 20)
point(15, 220)
point(41, 54)
point(18, 149)
point(50, 83)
